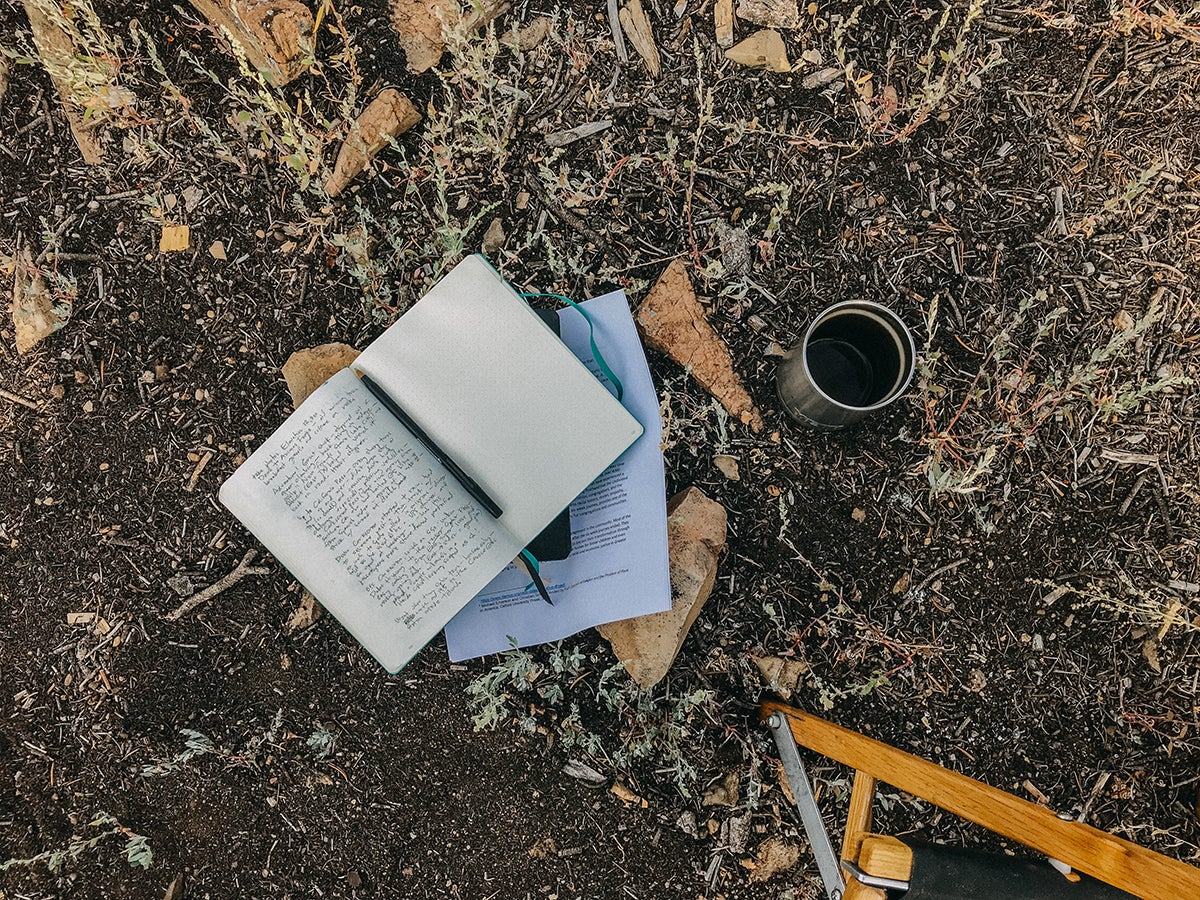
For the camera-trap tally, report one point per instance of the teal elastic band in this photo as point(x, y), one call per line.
point(596, 354)
point(535, 570)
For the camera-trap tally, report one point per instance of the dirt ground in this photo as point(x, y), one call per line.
point(1000, 573)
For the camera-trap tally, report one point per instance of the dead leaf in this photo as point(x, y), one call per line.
point(902, 583)
point(174, 889)
point(1123, 321)
point(773, 856)
point(784, 784)
point(1150, 651)
point(307, 613)
point(307, 370)
point(625, 795)
point(35, 314)
point(782, 674)
point(725, 793)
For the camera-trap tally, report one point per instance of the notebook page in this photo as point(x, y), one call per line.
point(492, 385)
point(367, 520)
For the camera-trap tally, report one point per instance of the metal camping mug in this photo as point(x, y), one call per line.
point(856, 357)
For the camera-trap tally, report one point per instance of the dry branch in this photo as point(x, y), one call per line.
point(241, 571)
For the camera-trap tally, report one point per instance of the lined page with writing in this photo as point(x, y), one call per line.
point(368, 521)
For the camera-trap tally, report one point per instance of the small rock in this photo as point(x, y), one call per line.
point(544, 848)
point(695, 539)
point(307, 370)
point(762, 50)
point(736, 249)
point(902, 583)
point(672, 321)
point(773, 856)
point(388, 115)
point(493, 238)
point(181, 585)
point(739, 834)
point(217, 249)
point(687, 823)
point(725, 793)
point(770, 13)
point(305, 615)
point(192, 195)
point(422, 25)
point(728, 466)
point(782, 674)
point(859, 515)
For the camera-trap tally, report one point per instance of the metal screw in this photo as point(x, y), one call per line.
point(773, 720)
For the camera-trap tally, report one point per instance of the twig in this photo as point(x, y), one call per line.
point(204, 460)
point(243, 569)
point(1087, 73)
point(934, 574)
point(614, 23)
point(17, 398)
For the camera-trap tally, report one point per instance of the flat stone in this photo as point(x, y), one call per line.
point(307, 370)
point(695, 538)
point(672, 321)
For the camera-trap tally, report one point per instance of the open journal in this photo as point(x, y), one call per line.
point(370, 522)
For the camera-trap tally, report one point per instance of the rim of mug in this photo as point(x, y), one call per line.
point(895, 326)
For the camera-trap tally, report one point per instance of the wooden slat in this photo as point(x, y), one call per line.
point(886, 857)
point(1122, 864)
point(858, 820)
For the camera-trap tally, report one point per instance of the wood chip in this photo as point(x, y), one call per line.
point(762, 50)
point(388, 115)
point(422, 25)
point(723, 21)
point(587, 129)
point(1129, 459)
point(35, 313)
point(81, 618)
point(63, 60)
point(174, 237)
point(625, 795)
point(275, 35)
point(637, 27)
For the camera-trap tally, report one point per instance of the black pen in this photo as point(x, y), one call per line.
point(426, 441)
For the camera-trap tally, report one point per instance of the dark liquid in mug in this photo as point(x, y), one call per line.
point(841, 370)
